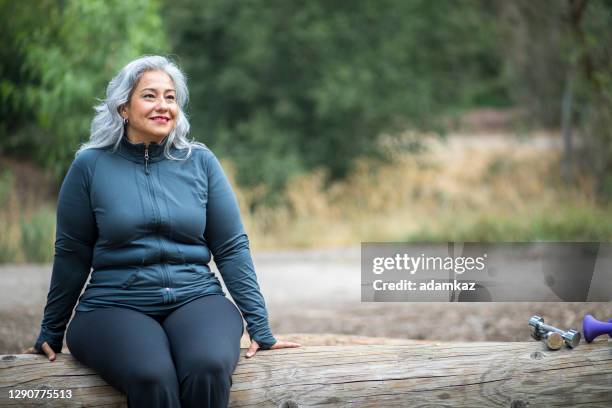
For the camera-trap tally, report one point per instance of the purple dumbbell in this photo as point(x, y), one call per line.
point(592, 328)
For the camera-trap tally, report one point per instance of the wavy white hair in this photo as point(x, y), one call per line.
point(107, 125)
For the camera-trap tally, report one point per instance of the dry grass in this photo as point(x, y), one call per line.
point(27, 216)
point(436, 195)
point(26, 232)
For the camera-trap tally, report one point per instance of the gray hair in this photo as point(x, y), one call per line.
point(107, 125)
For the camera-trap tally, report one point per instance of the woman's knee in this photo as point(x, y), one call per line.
point(214, 366)
point(150, 376)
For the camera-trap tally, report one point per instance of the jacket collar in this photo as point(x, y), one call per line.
point(136, 151)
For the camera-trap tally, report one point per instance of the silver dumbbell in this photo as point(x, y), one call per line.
point(540, 330)
point(553, 340)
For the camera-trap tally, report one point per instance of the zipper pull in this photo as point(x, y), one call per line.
point(146, 157)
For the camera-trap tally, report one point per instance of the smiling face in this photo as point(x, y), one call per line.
point(152, 109)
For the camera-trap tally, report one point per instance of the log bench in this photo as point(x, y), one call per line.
point(421, 374)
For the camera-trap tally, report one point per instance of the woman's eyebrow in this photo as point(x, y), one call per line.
point(155, 90)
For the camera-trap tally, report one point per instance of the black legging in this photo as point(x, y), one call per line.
point(185, 359)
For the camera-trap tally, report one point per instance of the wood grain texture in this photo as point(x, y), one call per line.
point(484, 374)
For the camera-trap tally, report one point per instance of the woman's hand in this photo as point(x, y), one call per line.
point(46, 349)
point(278, 345)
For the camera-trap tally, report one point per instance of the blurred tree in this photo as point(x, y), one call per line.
point(283, 87)
point(55, 59)
point(592, 35)
point(559, 65)
point(535, 63)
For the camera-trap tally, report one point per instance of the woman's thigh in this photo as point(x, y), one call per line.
point(122, 346)
point(205, 332)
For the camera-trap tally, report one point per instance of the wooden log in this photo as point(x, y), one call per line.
point(483, 374)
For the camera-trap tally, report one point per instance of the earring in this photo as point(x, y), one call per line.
point(125, 121)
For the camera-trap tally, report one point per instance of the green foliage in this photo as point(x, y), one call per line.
point(57, 59)
point(37, 236)
point(282, 88)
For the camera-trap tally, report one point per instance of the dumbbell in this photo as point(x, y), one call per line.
point(553, 340)
point(593, 328)
point(541, 331)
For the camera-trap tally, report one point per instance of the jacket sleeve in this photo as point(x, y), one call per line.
point(229, 246)
point(76, 233)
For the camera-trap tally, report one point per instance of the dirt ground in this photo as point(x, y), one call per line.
point(318, 292)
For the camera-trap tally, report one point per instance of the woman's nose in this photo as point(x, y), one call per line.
point(162, 104)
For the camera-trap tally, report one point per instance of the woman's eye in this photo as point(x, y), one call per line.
point(149, 96)
point(170, 97)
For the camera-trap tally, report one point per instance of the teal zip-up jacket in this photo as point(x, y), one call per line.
point(146, 227)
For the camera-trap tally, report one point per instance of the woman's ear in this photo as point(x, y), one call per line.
point(122, 111)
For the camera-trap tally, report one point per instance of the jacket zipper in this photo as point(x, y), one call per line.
point(146, 157)
point(165, 277)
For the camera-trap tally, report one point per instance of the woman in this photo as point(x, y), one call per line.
point(146, 209)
